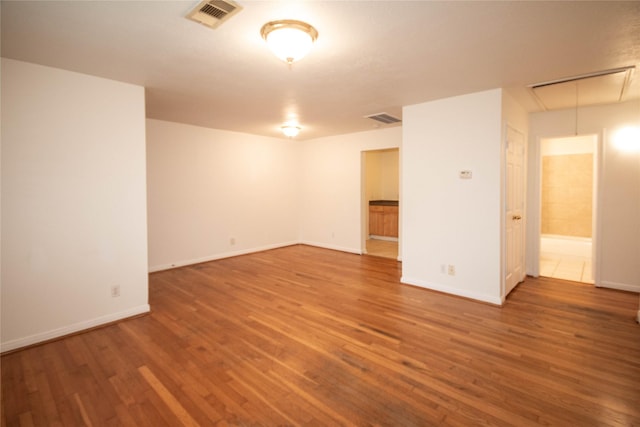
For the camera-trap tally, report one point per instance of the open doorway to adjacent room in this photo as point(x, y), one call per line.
point(568, 189)
point(380, 198)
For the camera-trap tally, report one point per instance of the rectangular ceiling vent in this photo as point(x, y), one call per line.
point(384, 118)
point(212, 13)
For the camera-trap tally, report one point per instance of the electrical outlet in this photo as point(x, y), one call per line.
point(451, 270)
point(232, 241)
point(115, 291)
point(443, 268)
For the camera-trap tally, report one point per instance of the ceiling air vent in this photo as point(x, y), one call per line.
point(384, 118)
point(212, 13)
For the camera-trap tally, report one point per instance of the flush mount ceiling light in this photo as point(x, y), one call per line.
point(289, 40)
point(290, 130)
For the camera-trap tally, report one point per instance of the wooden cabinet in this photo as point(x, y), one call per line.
point(390, 221)
point(376, 220)
point(383, 221)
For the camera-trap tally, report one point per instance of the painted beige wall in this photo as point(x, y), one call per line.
point(214, 194)
point(567, 189)
point(448, 220)
point(331, 194)
point(207, 186)
point(382, 174)
point(74, 217)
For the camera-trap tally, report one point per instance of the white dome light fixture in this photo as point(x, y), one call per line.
point(290, 130)
point(288, 39)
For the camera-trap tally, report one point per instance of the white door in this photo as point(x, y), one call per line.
point(514, 210)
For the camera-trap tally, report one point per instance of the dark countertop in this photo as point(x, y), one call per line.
point(383, 203)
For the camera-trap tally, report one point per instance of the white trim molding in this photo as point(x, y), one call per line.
point(491, 299)
point(619, 286)
point(183, 263)
point(76, 327)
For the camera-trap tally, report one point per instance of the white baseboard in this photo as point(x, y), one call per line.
point(76, 327)
point(223, 255)
point(619, 286)
point(176, 264)
point(496, 300)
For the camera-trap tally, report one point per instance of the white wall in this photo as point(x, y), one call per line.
point(585, 144)
point(207, 187)
point(447, 220)
point(382, 171)
point(331, 203)
point(513, 114)
point(619, 190)
point(73, 211)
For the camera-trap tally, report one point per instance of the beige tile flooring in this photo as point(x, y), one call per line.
point(566, 260)
point(382, 248)
point(566, 267)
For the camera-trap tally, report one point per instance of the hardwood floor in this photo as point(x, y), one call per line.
point(307, 336)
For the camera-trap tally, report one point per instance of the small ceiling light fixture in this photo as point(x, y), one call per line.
point(290, 130)
point(288, 39)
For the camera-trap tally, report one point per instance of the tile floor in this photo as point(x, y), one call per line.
point(566, 259)
point(566, 267)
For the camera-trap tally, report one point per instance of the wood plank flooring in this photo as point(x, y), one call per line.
point(307, 336)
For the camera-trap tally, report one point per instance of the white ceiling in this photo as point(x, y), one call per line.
point(370, 57)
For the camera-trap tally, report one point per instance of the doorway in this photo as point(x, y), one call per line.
point(380, 199)
point(567, 209)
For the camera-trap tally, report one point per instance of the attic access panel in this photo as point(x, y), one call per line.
point(606, 87)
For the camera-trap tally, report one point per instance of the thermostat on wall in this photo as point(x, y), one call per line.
point(466, 174)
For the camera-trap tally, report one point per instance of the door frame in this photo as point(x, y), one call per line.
point(535, 213)
point(364, 202)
